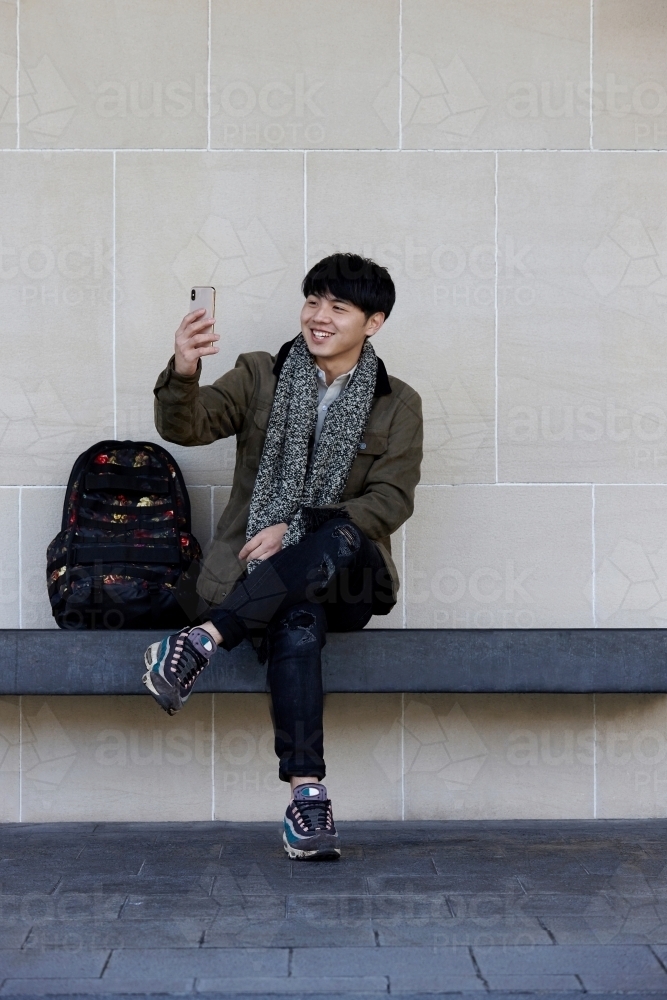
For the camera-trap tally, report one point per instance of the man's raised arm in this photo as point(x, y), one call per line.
point(187, 414)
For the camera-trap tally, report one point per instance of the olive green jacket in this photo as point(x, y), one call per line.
point(378, 496)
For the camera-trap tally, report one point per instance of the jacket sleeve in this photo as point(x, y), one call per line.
point(189, 415)
point(389, 492)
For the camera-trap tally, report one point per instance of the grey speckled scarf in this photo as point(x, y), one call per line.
point(286, 486)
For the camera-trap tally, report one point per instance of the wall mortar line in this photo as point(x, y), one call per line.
point(495, 305)
point(208, 82)
point(404, 532)
point(593, 560)
point(305, 212)
point(392, 150)
point(113, 301)
point(18, 73)
point(590, 78)
point(400, 74)
point(20, 554)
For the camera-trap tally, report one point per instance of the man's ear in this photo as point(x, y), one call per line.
point(373, 323)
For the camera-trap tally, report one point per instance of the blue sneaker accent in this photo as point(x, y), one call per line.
point(309, 831)
point(174, 664)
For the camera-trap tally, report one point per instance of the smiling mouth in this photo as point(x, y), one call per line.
point(320, 335)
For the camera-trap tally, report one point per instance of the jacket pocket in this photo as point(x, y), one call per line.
point(371, 446)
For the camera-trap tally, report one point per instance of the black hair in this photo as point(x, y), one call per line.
point(354, 279)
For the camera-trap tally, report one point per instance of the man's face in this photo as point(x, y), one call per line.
point(333, 327)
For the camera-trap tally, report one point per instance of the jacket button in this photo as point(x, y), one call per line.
point(362, 446)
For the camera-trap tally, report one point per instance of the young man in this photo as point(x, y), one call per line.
point(328, 455)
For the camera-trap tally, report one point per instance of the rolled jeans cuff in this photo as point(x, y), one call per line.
point(230, 628)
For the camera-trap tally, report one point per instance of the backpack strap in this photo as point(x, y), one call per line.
point(114, 554)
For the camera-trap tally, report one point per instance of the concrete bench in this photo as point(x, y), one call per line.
point(53, 662)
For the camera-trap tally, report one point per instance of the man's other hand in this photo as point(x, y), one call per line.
point(265, 543)
point(194, 340)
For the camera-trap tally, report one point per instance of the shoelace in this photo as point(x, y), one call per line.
point(315, 815)
point(189, 664)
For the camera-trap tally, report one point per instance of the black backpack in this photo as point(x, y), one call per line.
point(125, 556)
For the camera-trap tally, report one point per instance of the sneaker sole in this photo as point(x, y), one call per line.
point(163, 698)
point(324, 854)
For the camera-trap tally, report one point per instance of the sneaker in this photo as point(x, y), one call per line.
point(174, 665)
point(309, 829)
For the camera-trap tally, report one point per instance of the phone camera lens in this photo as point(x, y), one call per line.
point(192, 294)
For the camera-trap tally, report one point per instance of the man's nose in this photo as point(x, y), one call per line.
point(322, 314)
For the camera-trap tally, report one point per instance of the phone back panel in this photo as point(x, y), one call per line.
point(203, 297)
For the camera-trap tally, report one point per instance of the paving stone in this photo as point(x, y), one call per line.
point(137, 885)
point(53, 962)
point(19, 884)
point(209, 962)
point(619, 961)
point(546, 904)
point(96, 987)
point(13, 935)
point(176, 907)
point(32, 907)
point(392, 885)
point(289, 933)
point(555, 885)
point(536, 984)
point(356, 985)
point(440, 983)
point(332, 886)
point(524, 931)
point(614, 921)
point(372, 867)
point(630, 979)
point(384, 961)
point(91, 933)
point(345, 909)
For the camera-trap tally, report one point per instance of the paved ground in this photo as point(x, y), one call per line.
point(511, 909)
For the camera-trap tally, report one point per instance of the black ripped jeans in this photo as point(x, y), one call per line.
point(333, 580)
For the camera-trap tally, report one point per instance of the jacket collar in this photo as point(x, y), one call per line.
point(382, 386)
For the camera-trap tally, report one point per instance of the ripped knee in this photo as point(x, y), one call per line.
point(302, 625)
point(349, 539)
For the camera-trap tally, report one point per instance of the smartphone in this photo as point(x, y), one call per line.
point(203, 297)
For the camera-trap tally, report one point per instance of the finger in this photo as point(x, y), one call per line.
point(202, 338)
point(249, 547)
point(202, 352)
point(191, 317)
point(198, 325)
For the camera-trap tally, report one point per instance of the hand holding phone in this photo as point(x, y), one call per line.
point(195, 337)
